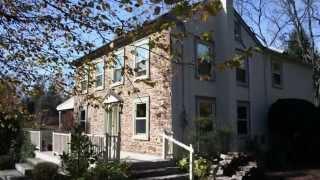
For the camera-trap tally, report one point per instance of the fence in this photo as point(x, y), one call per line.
point(35, 137)
point(41, 139)
point(107, 146)
point(61, 142)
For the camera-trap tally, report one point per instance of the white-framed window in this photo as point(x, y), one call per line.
point(142, 59)
point(82, 118)
point(141, 118)
point(83, 79)
point(237, 31)
point(206, 112)
point(99, 75)
point(204, 60)
point(276, 71)
point(243, 118)
point(242, 72)
point(117, 72)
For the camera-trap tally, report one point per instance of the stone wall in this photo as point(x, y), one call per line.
point(157, 88)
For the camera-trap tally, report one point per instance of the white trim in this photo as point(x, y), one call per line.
point(136, 45)
point(141, 100)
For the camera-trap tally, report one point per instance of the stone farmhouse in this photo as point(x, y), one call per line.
point(166, 92)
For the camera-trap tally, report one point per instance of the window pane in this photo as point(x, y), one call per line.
point(82, 115)
point(98, 81)
point(142, 52)
point(141, 110)
point(117, 75)
point(242, 127)
point(276, 79)
point(205, 109)
point(241, 75)
point(204, 61)
point(141, 68)
point(83, 85)
point(141, 126)
point(276, 67)
point(119, 61)
point(99, 68)
point(203, 52)
point(242, 112)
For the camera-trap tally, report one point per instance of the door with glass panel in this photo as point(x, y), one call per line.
point(112, 120)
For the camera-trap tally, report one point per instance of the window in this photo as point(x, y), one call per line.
point(205, 113)
point(243, 116)
point(99, 74)
point(141, 118)
point(84, 80)
point(276, 68)
point(204, 61)
point(237, 31)
point(82, 119)
point(118, 67)
point(142, 56)
point(242, 72)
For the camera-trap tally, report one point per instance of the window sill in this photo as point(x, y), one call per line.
point(141, 137)
point(243, 84)
point(115, 84)
point(140, 78)
point(98, 88)
point(277, 86)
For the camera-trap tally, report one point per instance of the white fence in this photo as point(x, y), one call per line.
point(108, 147)
point(168, 138)
point(61, 142)
point(35, 137)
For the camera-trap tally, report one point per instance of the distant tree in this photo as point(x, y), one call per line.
point(292, 45)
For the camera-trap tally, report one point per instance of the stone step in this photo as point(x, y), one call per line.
point(156, 172)
point(184, 176)
point(34, 161)
point(143, 165)
point(24, 168)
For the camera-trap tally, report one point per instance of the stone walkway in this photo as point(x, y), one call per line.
point(306, 174)
point(12, 172)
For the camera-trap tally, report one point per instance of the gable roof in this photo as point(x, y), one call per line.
point(142, 31)
point(66, 105)
point(150, 27)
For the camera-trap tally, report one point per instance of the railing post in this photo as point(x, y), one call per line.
point(107, 148)
point(69, 143)
point(164, 147)
point(191, 163)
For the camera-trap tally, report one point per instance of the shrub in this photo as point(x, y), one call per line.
point(27, 148)
point(6, 162)
point(45, 170)
point(82, 154)
point(106, 171)
point(202, 166)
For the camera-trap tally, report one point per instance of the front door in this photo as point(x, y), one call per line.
point(112, 120)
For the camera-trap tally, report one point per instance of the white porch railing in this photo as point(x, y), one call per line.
point(61, 142)
point(105, 145)
point(35, 137)
point(166, 138)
